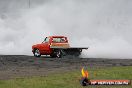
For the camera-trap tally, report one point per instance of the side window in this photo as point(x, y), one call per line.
point(46, 40)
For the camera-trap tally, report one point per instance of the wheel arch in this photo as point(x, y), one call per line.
point(34, 49)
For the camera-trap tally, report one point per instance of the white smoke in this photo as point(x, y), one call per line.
point(103, 26)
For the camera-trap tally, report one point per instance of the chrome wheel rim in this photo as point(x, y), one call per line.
point(58, 54)
point(37, 53)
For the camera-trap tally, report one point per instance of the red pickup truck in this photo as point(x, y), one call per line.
point(56, 46)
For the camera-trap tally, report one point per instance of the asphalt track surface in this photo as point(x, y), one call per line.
point(15, 66)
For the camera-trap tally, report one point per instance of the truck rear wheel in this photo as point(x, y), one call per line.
point(58, 54)
point(37, 53)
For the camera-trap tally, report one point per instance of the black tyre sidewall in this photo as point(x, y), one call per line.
point(58, 54)
point(35, 52)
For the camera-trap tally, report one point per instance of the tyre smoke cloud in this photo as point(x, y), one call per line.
point(102, 25)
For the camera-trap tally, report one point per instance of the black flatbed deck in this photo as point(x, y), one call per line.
point(56, 47)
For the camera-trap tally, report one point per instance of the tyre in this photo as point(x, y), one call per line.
point(37, 53)
point(58, 54)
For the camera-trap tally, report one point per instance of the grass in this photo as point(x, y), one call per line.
point(70, 79)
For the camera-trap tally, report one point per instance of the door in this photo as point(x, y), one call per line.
point(45, 47)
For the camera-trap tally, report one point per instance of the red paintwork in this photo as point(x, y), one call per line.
point(44, 47)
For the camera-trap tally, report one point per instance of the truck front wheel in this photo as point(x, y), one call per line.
point(37, 53)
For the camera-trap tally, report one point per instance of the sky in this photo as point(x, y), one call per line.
point(102, 25)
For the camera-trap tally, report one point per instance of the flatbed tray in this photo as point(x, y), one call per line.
point(61, 47)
